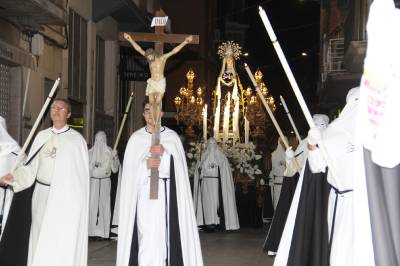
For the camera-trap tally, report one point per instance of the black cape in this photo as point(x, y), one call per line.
point(15, 241)
point(282, 210)
point(310, 241)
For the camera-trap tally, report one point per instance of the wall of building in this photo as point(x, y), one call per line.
point(52, 62)
point(83, 7)
point(48, 66)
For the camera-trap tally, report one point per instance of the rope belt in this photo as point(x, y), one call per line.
point(42, 183)
point(99, 177)
point(215, 177)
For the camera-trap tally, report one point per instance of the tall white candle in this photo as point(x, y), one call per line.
point(297, 91)
point(36, 124)
point(235, 121)
point(216, 119)
point(128, 106)
point(285, 66)
point(217, 113)
point(205, 123)
point(271, 115)
point(246, 131)
point(227, 111)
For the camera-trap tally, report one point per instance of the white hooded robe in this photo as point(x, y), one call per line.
point(135, 184)
point(101, 163)
point(215, 172)
point(9, 150)
point(59, 227)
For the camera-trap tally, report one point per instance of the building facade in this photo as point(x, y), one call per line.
point(43, 40)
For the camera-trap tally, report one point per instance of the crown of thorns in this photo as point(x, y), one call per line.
point(229, 48)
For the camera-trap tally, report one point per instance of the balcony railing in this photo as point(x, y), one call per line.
point(333, 57)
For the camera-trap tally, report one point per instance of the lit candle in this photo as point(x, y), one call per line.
point(286, 67)
point(227, 111)
point(296, 90)
point(235, 114)
point(217, 113)
point(267, 24)
point(246, 131)
point(235, 121)
point(216, 119)
point(205, 123)
point(271, 115)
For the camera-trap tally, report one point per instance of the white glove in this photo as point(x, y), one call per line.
point(314, 136)
point(114, 154)
point(289, 153)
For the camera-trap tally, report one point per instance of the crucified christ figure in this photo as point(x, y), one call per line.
point(156, 83)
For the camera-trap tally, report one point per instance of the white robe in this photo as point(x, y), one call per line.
point(101, 164)
point(276, 175)
point(134, 194)
point(6, 193)
point(206, 197)
point(9, 150)
point(377, 125)
point(300, 156)
point(339, 141)
point(59, 211)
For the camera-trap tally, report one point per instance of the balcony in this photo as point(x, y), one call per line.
point(335, 56)
point(33, 13)
point(336, 77)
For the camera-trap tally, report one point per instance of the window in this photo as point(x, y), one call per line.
point(100, 52)
point(77, 54)
point(5, 84)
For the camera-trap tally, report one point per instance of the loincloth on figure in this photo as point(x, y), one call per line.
point(155, 86)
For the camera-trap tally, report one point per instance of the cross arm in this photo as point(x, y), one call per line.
point(136, 46)
point(154, 37)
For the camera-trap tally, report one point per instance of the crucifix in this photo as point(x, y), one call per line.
point(156, 83)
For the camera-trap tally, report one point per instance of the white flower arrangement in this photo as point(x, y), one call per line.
point(243, 157)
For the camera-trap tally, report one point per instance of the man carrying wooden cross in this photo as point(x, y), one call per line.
point(160, 229)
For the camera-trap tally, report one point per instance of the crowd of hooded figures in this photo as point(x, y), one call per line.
point(59, 194)
point(349, 214)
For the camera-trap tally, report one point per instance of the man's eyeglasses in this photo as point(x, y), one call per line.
point(55, 108)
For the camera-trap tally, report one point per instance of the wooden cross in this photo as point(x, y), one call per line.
point(159, 38)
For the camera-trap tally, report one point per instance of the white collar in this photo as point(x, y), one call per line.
point(162, 129)
point(61, 130)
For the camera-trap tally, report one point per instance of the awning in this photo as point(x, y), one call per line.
point(128, 15)
point(36, 12)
